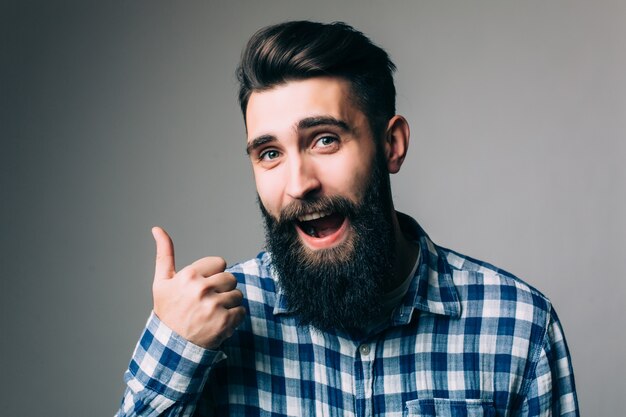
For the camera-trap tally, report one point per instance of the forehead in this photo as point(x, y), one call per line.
point(281, 107)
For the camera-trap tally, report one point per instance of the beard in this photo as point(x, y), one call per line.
point(339, 287)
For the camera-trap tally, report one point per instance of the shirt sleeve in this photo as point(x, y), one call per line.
point(552, 391)
point(166, 374)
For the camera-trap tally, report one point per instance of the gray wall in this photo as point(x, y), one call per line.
point(122, 115)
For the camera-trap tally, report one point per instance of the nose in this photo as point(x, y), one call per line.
point(303, 181)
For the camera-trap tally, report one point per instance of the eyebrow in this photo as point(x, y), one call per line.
point(306, 123)
point(310, 122)
point(258, 142)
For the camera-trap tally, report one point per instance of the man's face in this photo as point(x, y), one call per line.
point(308, 139)
point(324, 194)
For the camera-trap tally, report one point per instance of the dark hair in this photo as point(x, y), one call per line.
point(302, 49)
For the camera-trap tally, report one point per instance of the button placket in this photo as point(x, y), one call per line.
point(365, 352)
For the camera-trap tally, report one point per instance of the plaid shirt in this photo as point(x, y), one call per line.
point(468, 339)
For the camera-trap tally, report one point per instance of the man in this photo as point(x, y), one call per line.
point(353, 310)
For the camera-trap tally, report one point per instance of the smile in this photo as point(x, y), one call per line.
point(322, 229)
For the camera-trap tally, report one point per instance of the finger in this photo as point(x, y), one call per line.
point(222, 282)
point(165, 266)
point(231, 299)
point(234, 318)
point(208, 266)
point(237, 315)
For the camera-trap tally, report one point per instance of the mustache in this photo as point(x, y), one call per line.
point(298, 208)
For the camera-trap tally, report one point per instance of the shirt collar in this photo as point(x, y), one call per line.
point(432, 289)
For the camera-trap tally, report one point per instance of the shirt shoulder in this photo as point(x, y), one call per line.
point(493, 292)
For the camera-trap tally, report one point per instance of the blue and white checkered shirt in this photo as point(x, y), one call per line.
point(467, 339)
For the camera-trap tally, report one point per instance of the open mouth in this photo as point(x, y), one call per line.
point(321, 229)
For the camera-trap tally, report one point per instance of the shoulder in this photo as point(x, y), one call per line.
point(489, 291)
point(258, 266)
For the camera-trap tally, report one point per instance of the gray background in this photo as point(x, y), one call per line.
point(122, 115)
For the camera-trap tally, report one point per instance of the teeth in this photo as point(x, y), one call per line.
point(313, 216)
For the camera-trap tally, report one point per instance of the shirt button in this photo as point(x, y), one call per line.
point(365, 350)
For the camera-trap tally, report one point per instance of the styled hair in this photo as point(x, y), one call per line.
point(298, 50)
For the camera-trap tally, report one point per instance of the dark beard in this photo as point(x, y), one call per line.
point(340, 287)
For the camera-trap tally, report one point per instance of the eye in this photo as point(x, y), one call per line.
point(269, 154)
point(326, 141)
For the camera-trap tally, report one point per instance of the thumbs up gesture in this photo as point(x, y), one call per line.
point(200, 302)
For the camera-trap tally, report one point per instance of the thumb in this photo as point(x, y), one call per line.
point(165, 266)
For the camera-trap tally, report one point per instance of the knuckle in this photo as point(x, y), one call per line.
point(222, 321)
point(187, 273)
point(211, 307)
point(194, 287)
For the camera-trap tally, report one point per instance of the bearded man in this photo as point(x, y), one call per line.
point(353, 310)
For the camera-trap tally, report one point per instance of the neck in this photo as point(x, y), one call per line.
point(406, 252)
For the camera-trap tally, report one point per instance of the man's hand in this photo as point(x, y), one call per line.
point(200, 302)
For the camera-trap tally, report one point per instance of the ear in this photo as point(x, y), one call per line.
point(396, 142)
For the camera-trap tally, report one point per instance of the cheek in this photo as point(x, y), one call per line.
point(269, 188)
point(346, 178)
